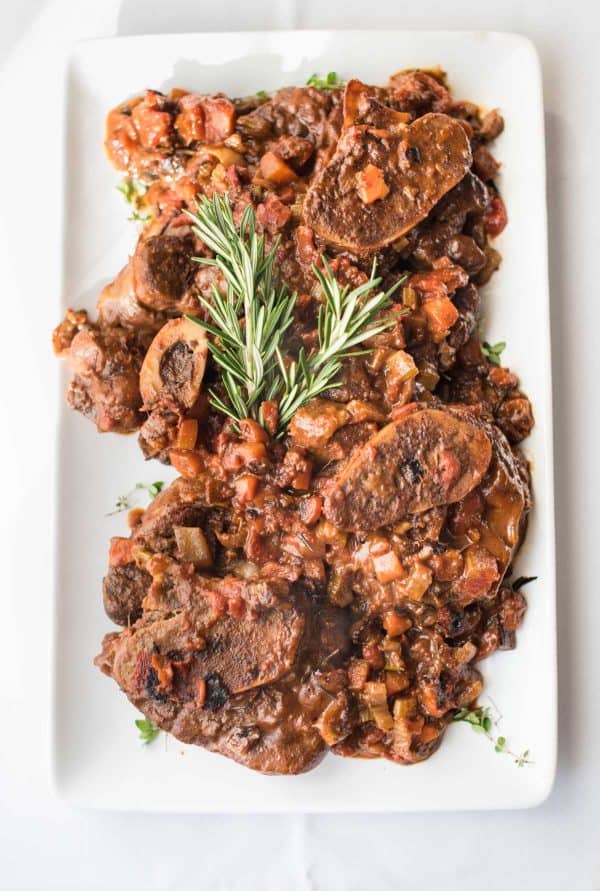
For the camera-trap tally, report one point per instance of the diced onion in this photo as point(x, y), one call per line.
point(193, 546)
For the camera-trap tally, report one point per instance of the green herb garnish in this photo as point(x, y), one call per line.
point(480, 721)
point(263, 94)
point(249, 323)
point(133, 191)
point(346, 319)
point(329, 82)
point(493, 351)
point(148, 730)
point(123, 501)
point(137, 217)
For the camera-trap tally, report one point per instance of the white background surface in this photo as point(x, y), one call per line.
point(44, 844)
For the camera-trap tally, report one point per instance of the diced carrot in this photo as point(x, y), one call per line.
point(428, 733)
point(245, 488)
point(187, 434)
point(189, 464)
point(301, 479)
point(388, 567)
point(242, 454)
point(310, 509)
point(399, 411)
point(120, 552)
point(396, 682)
point(395, 623)
point(270, 415)
point(273, 168)
point(164, 670)
point(441, 315)
point(251, 431)
point(370, 184)
point(200, 692)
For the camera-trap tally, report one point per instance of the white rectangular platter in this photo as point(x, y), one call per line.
point(98, 759)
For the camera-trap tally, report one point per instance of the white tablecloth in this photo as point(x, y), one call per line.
point(44, 844)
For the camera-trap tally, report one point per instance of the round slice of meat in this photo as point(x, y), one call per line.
point(425, 459)
point(381, 182)
point(164, 270)
point(174, 364)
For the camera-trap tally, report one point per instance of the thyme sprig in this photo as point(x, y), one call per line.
point(123, 502)
point(250, 321)
point(481, 721)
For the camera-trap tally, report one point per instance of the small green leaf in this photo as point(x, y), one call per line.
point(131, 189)
point(262, 94)
point(329, 82)
point(123, 501)
point(478, 728)
point(487, 724)
point(493, 351)
point(137, 217)
point(148, 731)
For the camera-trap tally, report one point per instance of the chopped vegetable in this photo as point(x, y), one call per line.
point(192, 546)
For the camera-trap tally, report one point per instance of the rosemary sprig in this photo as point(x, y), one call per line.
point(481, 721)
point(250, 322)
point(346, 319)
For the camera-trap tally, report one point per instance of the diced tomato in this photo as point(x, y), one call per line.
point(441, 315)
point(305, 240)
point(190, 121)
point(273, 214)
point(153, 125)
point(219, 116)
point(370, 184)
point(495, 217)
